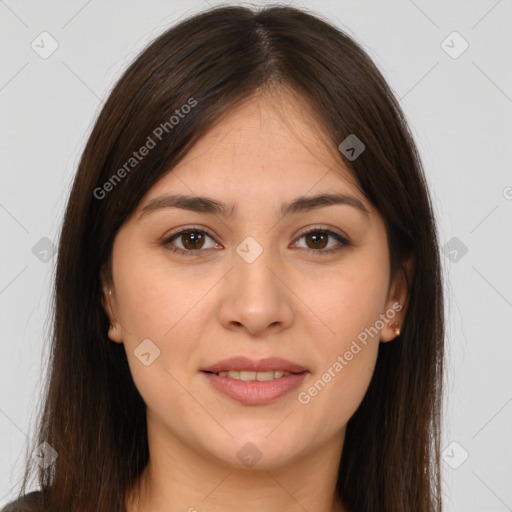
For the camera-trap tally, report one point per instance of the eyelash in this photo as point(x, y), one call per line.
point(316, 252)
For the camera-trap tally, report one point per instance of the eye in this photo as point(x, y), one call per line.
point(318, 238)
point(193, 239)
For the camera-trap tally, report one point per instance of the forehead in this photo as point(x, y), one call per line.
point(270, 145)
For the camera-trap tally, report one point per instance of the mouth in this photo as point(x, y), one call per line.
point(255, 382)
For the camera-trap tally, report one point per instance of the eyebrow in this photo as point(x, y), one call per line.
point(211, 206)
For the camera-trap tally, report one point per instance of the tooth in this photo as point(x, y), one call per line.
point(262, 376)
point(247, 375)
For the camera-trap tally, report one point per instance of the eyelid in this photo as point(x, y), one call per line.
point(317, 227)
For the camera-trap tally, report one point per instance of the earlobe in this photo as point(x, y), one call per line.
point(107, 299)
point(114, 334)
point(391, 330)
point(114, 329)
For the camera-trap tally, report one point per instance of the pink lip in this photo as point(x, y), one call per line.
point(255, 392)
point(263, 365)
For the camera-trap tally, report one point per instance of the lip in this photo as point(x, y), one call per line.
point(263, 365)
point(255, 392)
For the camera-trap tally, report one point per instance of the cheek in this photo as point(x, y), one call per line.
point(348, 354)
point(351, 301)
point(155, 299)
point(346, 359)
point(157, 313)
point(162, 307)
point(334, 395)
point(350, 305)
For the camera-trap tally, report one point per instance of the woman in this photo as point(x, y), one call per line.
point(248, 298)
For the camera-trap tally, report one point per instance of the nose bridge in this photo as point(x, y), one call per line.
point(257, 296)
point(253, 262)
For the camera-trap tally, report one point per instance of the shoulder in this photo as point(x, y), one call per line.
point(28, 503)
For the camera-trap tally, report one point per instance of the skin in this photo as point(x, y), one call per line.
point(198, 310)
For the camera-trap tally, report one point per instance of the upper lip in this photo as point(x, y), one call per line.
point(262, 365)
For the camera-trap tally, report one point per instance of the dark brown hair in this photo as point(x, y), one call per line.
point(92, 413)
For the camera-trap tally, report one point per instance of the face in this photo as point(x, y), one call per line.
point(192, 288)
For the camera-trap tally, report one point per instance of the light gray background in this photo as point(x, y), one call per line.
point(460, 111)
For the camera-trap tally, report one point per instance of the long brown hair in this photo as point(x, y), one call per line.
point(92, 414)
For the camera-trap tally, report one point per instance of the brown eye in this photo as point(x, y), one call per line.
point(192, 240)
point(318, 239)
point(189, 241)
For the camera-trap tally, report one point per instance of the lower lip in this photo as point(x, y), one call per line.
point(256, 392)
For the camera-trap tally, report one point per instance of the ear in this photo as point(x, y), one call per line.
point(108, 302)
point(398, 299)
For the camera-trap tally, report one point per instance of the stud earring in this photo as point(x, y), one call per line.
point(397, 329)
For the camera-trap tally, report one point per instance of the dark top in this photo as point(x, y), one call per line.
point(30, 502)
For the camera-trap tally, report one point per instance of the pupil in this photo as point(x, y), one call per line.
point(317, 237)
point(193, 235)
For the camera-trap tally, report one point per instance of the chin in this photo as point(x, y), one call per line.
point(257, 450)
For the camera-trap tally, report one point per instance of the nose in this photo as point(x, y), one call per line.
point(256, 297)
